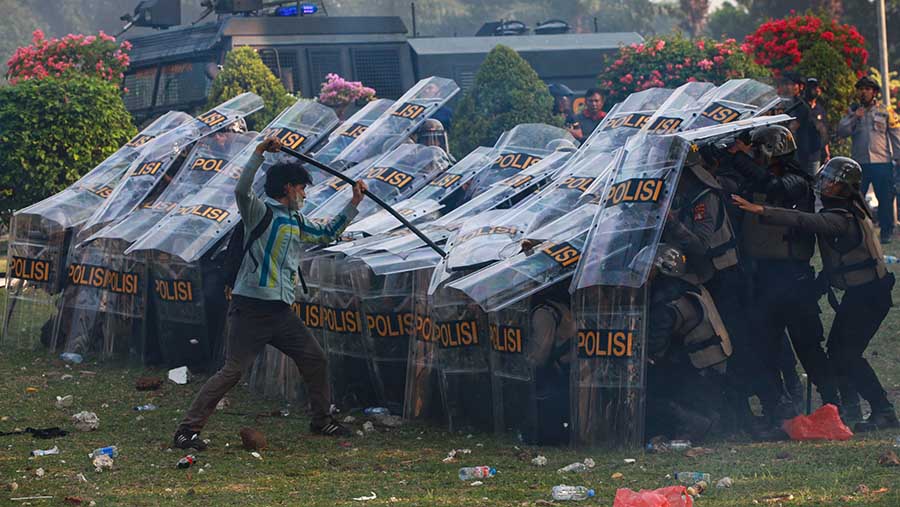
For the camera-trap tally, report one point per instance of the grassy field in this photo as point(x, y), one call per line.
point(402, 466)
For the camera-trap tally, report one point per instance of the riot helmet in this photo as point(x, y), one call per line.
point(561, 145)
point(772, 142)
point(839, 179)
point(868, 82)
point(432, 133)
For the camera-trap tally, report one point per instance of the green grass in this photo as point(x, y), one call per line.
point(299, 469)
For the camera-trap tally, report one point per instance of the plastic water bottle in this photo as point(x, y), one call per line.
point(376, 411)
point(691, 477)
point(144, 408)
point(577, 467)
point(186, 461)
point(577, 493)
point(45, 452)
point(890, 259)
point(469, 473)
point(71, 357)
point(897, 442)
point(111, 451)
point(680, 445)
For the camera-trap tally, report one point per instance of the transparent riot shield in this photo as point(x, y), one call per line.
point(41, 234)
point(422, 398)
point(162, 154)
point(608, 368)
point(351, 129)
point(734, 100)
point(463, 361)
point(103, 308)
point(208, 157)
point(399, 121)
point(444, 193)
point(342, 331)
point(529, 370)
point(205, 218)
point(624, 120)
point(518, 149)
point(397, 175)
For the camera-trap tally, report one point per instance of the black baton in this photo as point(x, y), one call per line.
point(309, 160)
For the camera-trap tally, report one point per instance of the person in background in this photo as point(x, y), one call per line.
point(812, 93)
point(809, 141)
point(874, 131)
point(562, 102)
point(589, 117)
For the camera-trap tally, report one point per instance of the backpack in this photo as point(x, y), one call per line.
point(237, 249)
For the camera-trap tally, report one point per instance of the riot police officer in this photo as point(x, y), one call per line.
point(687, 347)
point(852, 261)
point(785, 288)
point(432, 133)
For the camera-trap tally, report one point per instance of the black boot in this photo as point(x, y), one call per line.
point(882, 418)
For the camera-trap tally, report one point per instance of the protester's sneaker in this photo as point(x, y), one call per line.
point(878, 421)
point(186, 439)
point(330, 428)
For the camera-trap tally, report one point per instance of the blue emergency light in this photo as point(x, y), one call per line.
point(304, 10)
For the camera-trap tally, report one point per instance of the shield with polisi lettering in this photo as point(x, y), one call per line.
point(41, 236)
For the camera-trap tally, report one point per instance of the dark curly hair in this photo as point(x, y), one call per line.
point(285, 173)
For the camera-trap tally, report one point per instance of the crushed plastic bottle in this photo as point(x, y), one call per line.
point(679, 445)
point(146, 408)
point(890, 259)
point(691, 477)
point(470, 473)
point(577, 467)
point(186, 461)
point(45, 452)
point(71, 357)
point(376, 411)
point(564, 493)
point(111, 451)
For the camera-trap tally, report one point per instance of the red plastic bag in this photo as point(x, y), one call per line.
point(672, 496)
point(823, 424)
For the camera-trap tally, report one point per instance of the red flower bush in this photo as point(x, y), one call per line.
point(779, 44)
point(92, 55)
point(672, 61)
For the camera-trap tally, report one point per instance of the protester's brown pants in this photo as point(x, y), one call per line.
point(253, 324)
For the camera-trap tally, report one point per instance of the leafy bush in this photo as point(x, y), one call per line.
point(780, 44)
point(838, 81)
point(243, 72)
point(672, 61)
point(52, 131)
point(506, 93)
point(91, 55)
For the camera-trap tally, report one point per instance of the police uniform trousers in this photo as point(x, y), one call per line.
point(882, 179)
point(787, 298)
point(858, 318)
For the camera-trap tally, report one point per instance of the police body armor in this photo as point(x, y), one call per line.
point(722, 251)
point(774, 242)
point(706, 340)
point(855, 261)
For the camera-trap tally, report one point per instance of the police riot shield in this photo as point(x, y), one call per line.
point(734, 100)
point(205, 218)
point(399, 121)
point(40, 237)
point(397, 175)
point(163, 155)
point(351, 129)
point(608, 382)
point(624, 120)
point(208, 157)
point(464, 373)
point(342, 331)
point(518, 149)
point(444, 193)
point(422, 398)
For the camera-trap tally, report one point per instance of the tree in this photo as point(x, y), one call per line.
point(730, 20)
point(54, 130)
point(506, 93)
point(824, 62)
point(693, 15)
point(243, 72)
